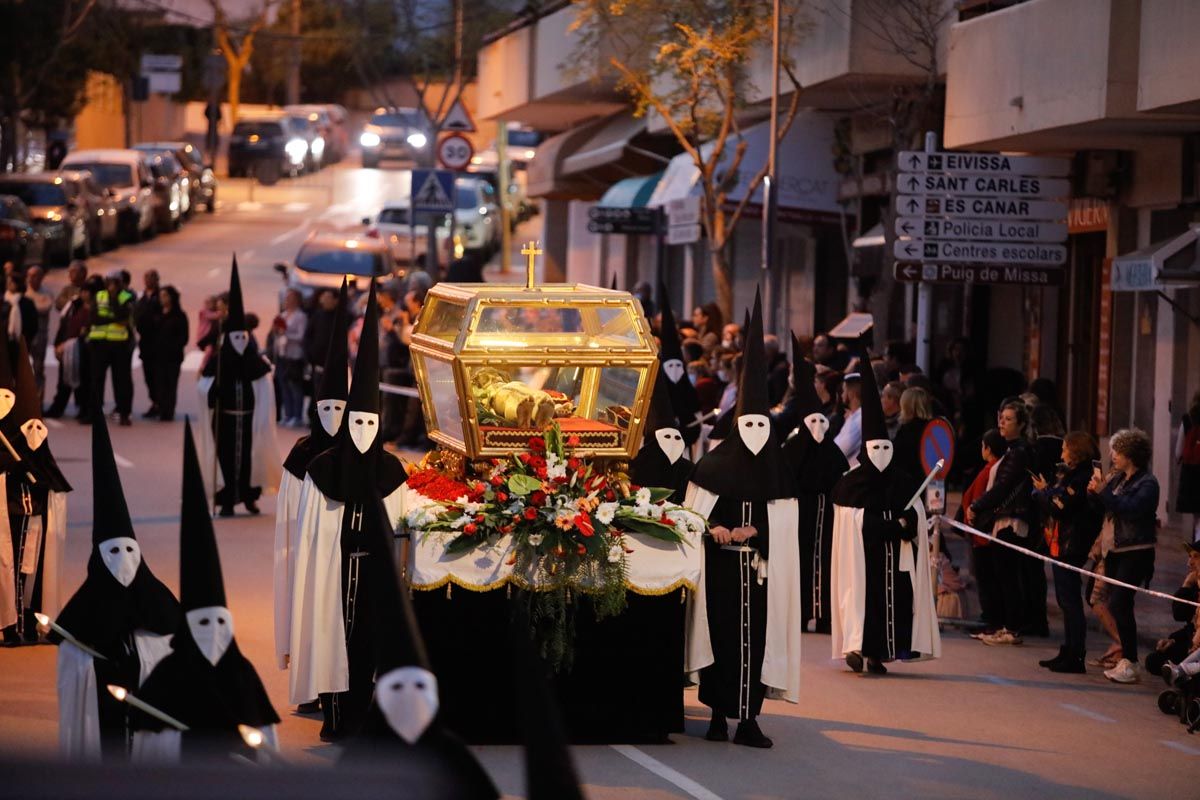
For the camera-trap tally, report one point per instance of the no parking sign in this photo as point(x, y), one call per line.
point(937, 443)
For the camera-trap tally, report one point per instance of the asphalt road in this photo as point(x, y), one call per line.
point(981, 722)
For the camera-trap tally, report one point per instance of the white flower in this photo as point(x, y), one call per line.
point(424, 515)
point(535, 539)
point(555, 472)
point(642, 498)
point(615, 553)
point(606, 511)
point(463, 520)
point(685, 521)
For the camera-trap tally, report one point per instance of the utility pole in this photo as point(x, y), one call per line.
point(770, 184)
point(504, 168)
point(293, 78)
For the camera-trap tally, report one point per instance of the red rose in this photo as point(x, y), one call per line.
point(537, 461)
point(501, 497)
point(610, 495)
point(480, 517)
point(470, 528)
point(531, 513)
point(540, 472)
point(573, 463)
point(537, 444)
point(497, 480)
point(537, 498)
point(573, 440)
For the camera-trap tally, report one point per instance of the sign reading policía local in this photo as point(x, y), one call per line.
point(996, 230)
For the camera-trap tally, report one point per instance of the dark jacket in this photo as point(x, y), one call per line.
point(73, 322)
point(1182, 612)
point(1133, 505)
point(1078, 515)
point(171, 331)
point(906, 446)
point(147, 312)
point(1010, 492)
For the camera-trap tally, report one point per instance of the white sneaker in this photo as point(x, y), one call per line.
point(1002, 636)
point(1124, 672)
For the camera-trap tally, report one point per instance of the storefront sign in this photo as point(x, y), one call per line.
point(1104, 354)
point(624, 221)
point(1087, 215)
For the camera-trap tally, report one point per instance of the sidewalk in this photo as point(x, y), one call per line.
point(1153, 614)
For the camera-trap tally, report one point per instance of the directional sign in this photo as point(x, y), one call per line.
point(979, 274)
point(454, 151)
point(943, 252)
point(627, 221)
point(982, 185)
point(995, 230)
point(434, 190)
point(683, 234)
point(457, 119)
point(980, 207)
point(966, 163)
point(937, 444)
point(684, 210)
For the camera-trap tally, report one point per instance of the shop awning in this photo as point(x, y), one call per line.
point(1172, 262)
point(630, 192)
point(545, 176)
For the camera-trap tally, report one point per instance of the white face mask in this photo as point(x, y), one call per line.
point(364, 426)
point(121, 556)
point(35, 433)
point(239, 340)
point(818, 426)
point(330, 413)
point(754, 429)
point(408, 698)
point(673, 369)
point(212, 630)
point(671, 442)
point(7, 401)
point(880, 453)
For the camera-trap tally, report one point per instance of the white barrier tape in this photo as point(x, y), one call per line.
point(405, 391)
point(1057, 563)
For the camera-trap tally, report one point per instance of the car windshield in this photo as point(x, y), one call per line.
point(108, 175)
point(333, 260)
point(399, 216)
point(35, 194)
point(466, 196)
point(258, 129)
point(396, 119)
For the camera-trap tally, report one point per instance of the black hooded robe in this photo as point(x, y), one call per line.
point(815, 469)
point(231, 399)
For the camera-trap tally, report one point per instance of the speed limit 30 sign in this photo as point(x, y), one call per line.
point(455, 151)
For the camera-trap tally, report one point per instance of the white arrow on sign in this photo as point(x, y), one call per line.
point(995, 230)
point(1031, 254)
point(968, 163)
point(982, 185)
point(980, 207)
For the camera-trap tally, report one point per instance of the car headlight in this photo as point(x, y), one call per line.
point(296, 149)
point(369, 139)
point(54, 216)
point(318, 146)
point(417, 140)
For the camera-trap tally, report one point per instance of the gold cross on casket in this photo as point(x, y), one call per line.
point(531, 251)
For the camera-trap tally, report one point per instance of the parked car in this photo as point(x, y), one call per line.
point(409, 242)
point(202, 183)
point(127, 179)
point(267, 147)
point(398, 133)
point(476, 215)
point(56, 210)
point(20, 241)
point(170, 190)
point(325, 258)
point(103, 228)
point(519, 206)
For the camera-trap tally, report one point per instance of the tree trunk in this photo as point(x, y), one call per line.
point(722, 280)
point(235, 93)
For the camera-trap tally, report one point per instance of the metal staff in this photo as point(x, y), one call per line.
point(46, 622)
point(122, 694)
point(920, 490)
point(256, 741)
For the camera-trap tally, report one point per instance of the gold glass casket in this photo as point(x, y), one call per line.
point(496, 364)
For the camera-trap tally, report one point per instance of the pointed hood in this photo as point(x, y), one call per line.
point(28, 399)
point(669, 334)
point(652, 466)
point(873, 424)
point(334, 377)
point(110, 513)
point(364, 389)
point(661, 413)
point(200, 581)
point(753, 392)
point(236, 320)
point(614, 282)
point(682, 392)
point(804, 374)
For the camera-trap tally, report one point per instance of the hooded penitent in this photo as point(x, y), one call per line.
point(26, 417)
point(236, 358)
point(724, 423)
point(682, 392)
point(402, 726)
point(206, 682)
point(662, 460)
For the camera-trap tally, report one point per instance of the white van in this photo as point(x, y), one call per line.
point(123, 174)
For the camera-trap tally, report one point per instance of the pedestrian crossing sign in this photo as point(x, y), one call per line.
point(434, 190)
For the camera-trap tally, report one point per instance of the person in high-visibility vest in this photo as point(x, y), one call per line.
point(109, 340)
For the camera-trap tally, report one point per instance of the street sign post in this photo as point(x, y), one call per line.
point(624, 221)
point(457, 119)
point(980, 207)
point(433, 190)
point(966, 163)
point(952, 252)
point(979, 274)
point(455, 151)
point(683, 220)
point(996, 230)
point(938, 183)
point(937, 444)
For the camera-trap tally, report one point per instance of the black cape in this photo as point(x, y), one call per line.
point(102, 612)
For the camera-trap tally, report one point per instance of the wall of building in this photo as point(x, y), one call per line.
point(1168, 60)
point(101, 122)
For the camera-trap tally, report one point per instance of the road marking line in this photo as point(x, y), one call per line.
point(297, 208)
point(53, 423)
point(249, 205)
point(996, 679)
point(125, 463)
point(666, 773)
point(214, 272)
point(249, 254)
point(283, 237)
point(1181, 747)
point(1087, 713)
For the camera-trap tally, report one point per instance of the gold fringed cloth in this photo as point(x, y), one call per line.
point(654, 567)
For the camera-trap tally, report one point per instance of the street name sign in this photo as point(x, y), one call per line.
point(981, 207)
point(980, 274)
point(626, 221)
point(434, 190)
point(973, 252)
point(967, 163)
point(982, 229)
point(940, 183)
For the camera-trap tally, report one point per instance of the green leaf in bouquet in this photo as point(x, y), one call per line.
point(658, 494)
point(523, 485)
point(463, 543)
point(649, 527)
